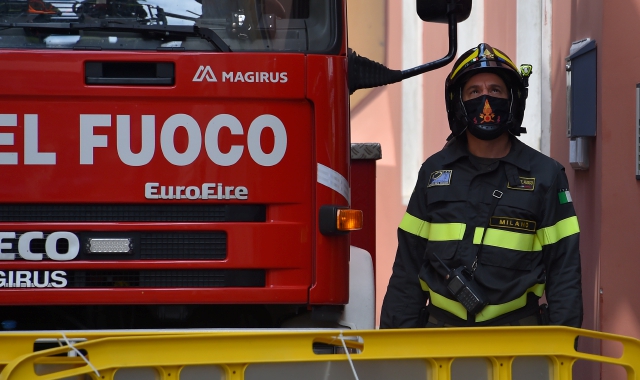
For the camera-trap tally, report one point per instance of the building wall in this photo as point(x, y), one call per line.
point(608, 193)
point(572, 21)
point(619, 194)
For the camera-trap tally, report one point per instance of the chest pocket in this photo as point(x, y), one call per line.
point(510, 241)
point(518, 204)
point(446, 208)
point(451, 193)
point(527, 201)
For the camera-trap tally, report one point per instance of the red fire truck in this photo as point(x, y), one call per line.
point(179, 163)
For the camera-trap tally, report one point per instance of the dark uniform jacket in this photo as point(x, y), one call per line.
point(529, 248)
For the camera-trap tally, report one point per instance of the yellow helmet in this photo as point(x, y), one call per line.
point(485, 58)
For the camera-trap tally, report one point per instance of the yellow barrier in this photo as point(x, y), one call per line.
point(500, 353)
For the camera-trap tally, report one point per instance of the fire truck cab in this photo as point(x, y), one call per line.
point(165, 163)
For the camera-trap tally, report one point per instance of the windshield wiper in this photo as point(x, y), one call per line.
point(175, 30)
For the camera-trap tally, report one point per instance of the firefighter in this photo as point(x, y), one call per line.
point(490, 226)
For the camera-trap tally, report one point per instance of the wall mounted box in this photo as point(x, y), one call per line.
point(582, 101)
point(581, 89)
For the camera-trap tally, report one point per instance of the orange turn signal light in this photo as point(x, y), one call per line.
point(349, 220)
point(338, 220)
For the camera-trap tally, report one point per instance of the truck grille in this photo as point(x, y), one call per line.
point(183, 246)
point(217, 278)
point(132, 213)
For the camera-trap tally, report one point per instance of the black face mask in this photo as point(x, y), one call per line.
point(487, 116)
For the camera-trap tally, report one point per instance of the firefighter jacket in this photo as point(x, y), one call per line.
point(530, 245)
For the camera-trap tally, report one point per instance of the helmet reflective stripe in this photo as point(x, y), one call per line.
point(497, 52)
point(463, 63)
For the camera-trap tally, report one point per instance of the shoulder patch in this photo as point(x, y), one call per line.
point(564, 196)
point(527, 184)
point(440, 178)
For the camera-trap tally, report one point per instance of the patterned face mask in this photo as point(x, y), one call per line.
point(487, 116)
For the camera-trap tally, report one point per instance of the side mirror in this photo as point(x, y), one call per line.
point(438, 10)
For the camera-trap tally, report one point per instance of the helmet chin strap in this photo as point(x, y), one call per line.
point(520, 130)
point(464, 110)
point(510, 121)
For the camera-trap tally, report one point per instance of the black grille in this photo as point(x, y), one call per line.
point(146, 279)
point(165, 279)
point(132, 213)
point(181, 245)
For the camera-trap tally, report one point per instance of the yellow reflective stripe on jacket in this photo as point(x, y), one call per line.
point(446, 231)
point(528, 242)
point(559, 231)
point(489, 312)
point(493, 311)
point(506, 239)
point(415, 226)
point(494, 237)
point(432, 231)
point(444, 303)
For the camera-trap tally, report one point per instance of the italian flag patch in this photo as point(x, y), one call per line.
point(564, 196)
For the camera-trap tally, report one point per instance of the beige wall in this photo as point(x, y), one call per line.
point(379, 118)
point(367, 35)
point(375, 120)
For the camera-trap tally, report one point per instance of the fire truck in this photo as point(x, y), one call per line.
point(180, 164)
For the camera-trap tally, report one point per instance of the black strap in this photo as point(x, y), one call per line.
point(496, 195)
point(512, 175)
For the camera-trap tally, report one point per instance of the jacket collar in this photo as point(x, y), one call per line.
point(518, 154)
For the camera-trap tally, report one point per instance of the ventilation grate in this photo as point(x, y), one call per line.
point(131, 213)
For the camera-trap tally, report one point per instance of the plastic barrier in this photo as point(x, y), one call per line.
point(520, 353)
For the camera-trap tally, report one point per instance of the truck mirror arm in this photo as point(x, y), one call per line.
point(365, 73)
point(451, 54)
